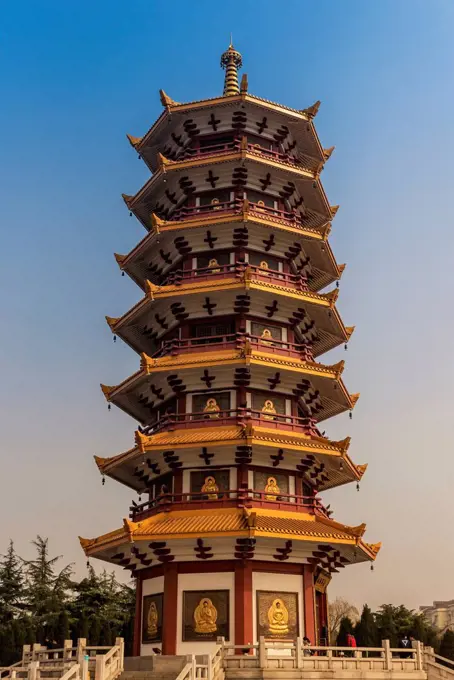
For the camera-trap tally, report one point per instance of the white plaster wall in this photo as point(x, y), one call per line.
point(217, 581)
point(283, 583)
point(150, 587)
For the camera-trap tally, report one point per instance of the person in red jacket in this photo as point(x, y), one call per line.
point(351, 642)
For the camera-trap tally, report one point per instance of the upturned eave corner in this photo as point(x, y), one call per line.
point(167, 101)
point(134, 141)
point(107, 390)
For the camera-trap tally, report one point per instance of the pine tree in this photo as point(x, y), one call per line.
point(366, 631)
point(386, 624)
point(345, 627)
point(46, 591)
point(447, 645)
point(11, 584)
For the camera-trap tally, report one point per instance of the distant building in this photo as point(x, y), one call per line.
point(440, 614)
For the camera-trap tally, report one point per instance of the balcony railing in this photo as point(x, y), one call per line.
point(234, 341)
point(221, 271)
point(223, 148)
point(239, 416)
point(236, 207)
point(242, 497)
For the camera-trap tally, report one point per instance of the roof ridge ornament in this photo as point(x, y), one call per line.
point(231, 60)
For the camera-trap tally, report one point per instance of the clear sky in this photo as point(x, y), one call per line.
point(75, 76)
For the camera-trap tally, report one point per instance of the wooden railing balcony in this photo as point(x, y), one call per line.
point(224, 148)
point(238, 340)
point(242, 497)
point(236, 207)
point(239, 416)
point(222, 271)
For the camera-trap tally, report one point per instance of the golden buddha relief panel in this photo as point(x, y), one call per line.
point(268, 404)
point(205, 615)
point(211, 406)
point(208, 261)
point(277, 614)
point(266, 332)
point(274, 484)
point(152, 618)
point(212, 484)
point(264, 261)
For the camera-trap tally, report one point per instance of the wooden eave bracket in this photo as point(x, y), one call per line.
point(312, 111)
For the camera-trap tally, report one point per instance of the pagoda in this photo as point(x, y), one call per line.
point(228, 535)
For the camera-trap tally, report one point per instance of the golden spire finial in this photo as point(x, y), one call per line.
point(231, 60)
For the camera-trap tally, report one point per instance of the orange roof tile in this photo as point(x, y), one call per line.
point(178, 524)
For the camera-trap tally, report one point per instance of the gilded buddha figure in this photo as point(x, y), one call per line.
point(213, 264)
point(278, 618)
point(272, 488)
point(266, 337)
point(210, 488)
point(152, 620)
point(205, 615)
point(212, 408)
point(264, 265)
point(268, 410)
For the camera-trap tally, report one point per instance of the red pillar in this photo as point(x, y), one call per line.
point(309, 603)
point(243, 603)
point(169, 619)
point(138, 618)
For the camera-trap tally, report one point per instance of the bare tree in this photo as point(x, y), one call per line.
point(338, 609)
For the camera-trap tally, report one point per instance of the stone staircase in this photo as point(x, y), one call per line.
point(152, 667)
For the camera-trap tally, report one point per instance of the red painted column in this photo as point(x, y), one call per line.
point(309, 603)
point(169, 622)
point(138, 618)
point(243, 603)
point(178, 482)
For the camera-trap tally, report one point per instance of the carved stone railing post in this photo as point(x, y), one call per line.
point(67, 652)
point(33, 670)
point(120, 643)
point(80, 653)
point(419, 655)
point(299, 653)
point(262, 653)
point(387, 655)
point(100, 668)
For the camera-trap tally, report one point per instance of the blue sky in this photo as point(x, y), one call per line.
point(75, 77)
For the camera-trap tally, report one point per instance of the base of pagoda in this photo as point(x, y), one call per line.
point(182, 607)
